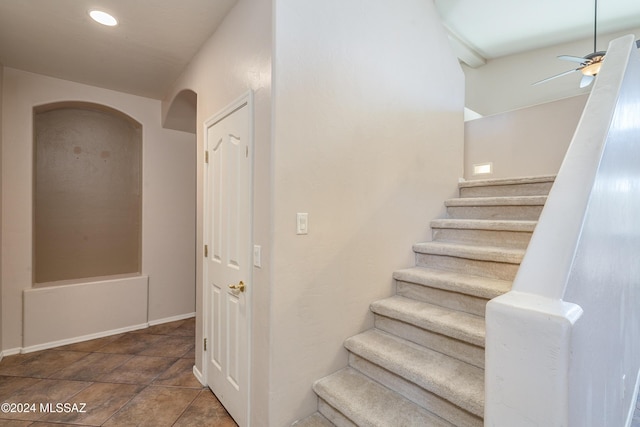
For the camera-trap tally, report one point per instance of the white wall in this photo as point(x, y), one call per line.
point(237, 58)
point(61, 315)
point(529, 141)
point(366, 137)
point(505, 83)
point(168, 197)
point(367, 140)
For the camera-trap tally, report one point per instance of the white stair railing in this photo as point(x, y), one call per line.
point(563, 347)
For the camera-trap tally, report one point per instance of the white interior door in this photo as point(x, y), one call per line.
point(228, 267)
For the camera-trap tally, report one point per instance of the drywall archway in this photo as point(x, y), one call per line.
point(182, 112)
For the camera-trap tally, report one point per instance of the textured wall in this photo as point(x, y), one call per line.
point(364, 131)
point(236, 59)
point(368, 140)
point(168, 215)
point(526, 142)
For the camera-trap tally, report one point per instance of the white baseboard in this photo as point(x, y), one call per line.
point(199, 376)
point(74, 340)
point(82, 338)
point(172, 319)
point(11, 351)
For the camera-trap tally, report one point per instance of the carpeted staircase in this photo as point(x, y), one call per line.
point(423, 363)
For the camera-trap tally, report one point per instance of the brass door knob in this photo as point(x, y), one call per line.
point(239, 287)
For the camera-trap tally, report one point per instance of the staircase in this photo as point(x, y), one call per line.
point(423, 363)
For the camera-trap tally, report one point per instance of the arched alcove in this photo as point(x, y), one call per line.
point(87, 192)
point(182, 112)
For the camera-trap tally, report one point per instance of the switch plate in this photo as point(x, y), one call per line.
point(257, 256)
point(302, 223)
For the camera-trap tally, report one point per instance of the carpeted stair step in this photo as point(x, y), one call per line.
point(452, 323)
point(511, 234)
point(451, 332)
point(349, 398)
point(416, 394)
point(486, 261)
point(313, 420)
point(481, 287)
point(526, 186)
point(458, 291)
point(453, 380)
point(509, 208)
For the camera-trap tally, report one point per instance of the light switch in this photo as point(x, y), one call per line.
point(302, 223)
point(257, 256)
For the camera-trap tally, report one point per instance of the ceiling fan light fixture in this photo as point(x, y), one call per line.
point(592, 69)
point(589, 64)
point(103, 18)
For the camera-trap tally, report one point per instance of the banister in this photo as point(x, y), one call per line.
point(563, 346)
point(545, 268)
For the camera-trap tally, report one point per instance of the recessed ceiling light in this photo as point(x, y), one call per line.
point(103, 18)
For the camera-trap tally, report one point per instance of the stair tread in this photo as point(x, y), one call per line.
point(485, 224)
point(507, 181)
point(314, 420)
point(456, 381)
point(366, 402)
point(497, 201)
point(482, 253)
point(483, 287)
point(453, 323)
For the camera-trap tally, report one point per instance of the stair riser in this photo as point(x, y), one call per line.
point(460, 350)
point(333, 415)
point(518, 212)
point(496, 270)
point(506, 239)
point(532, 189)
point(453, 300)
point(431, 402)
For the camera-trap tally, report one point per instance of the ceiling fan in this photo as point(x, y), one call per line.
point(589, 64)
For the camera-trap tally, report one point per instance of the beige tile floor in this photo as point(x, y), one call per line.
point(140, 378)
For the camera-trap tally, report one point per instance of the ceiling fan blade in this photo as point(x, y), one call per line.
point(586, 81)
point(555, 77)
point(571, 58)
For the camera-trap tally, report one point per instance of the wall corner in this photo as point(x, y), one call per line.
point(528, 350)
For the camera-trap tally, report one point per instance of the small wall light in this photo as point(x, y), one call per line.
point(483, 168)
point(103, 18)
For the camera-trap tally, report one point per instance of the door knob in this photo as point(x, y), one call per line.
point(239, 287)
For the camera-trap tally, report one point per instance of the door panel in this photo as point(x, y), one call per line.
point(228, 265)
point(216, 323)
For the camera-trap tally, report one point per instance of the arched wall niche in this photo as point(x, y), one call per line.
point(87, 193)
point(181, 114)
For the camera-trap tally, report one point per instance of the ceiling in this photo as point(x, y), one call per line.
point(156, 39)
point(143, 55)
point(488, 29)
